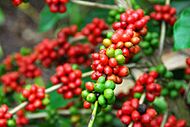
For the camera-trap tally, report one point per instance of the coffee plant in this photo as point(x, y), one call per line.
point(111, 63)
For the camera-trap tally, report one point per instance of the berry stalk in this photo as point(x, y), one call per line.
point(93, 116)
point(93, 4)
point(163, 33)
point(164, 119)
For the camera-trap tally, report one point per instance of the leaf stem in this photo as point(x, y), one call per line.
point(93, 115)
point(93, 4)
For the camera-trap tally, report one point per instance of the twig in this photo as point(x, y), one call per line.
point(72, 40)
point(162, 37)
point(93, 116)
point(163, 34)
point(164, 119)
point(48, 90)
point(142, 99)
point(123, 3)
point(16, 109)
point(93, 4)
point(87, 74)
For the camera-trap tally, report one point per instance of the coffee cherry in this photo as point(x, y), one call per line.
point(142, 108)
point(91, 98)
point(165, 13)
point(86, 105)
point(108, 93)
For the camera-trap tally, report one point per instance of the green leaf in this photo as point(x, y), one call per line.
point(2, 17)
point(57, 101)
point(182, 30)
point(180, 5)
point(48, 19)
point(160, 104)
point(39, 80)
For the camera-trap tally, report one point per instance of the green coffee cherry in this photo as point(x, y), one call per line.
point(102, 47)
point(73, 110)
point(170, 85)
point(155, 35)
point(112, 100)
point(11, 123)
point(118, 52)
point(45, 101)
point(148, 51)
point(164, 92)
point(173, 94)
point(101, 100)
point(148, 36)
point(137, 95)
point(109, 84)
point(99, 87)
point(161, 69)
point(110, 52)
point(84, 94)
point(120, 59)
point(168, 74)
point(101, 79)
point(144, 44)
point(91, 97)
point(154, 42)
point(109, 34)
point(108, 93)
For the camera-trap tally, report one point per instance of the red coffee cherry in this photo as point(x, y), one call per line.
point(5, 115)
point(17, 2)
point(12, 80)
point(71, 80)
point(94, 30)
point(164, 13)
point(21, 119)
point(57, 5)
point(146, 83)
point(37, 99)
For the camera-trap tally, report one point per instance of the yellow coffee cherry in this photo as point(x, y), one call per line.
point(107, 42)
point(128, 44)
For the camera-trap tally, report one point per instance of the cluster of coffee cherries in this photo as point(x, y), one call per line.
point(101, 91)
point(26, 65)
point(21, 119)
point(12, 80)
point(172, 121)
point(150, 43)
point(164, 13)
point(93, 31)
point(174, 88)
point(70, 78)
point(187, 70)
point(57, 5)
point(5, 119)
point(162, 70)
point(114, 15)
point(109, 62)
point(79, 54)
point(140, 114)
point(132, 19)
point(146, 83)
point(47, 51)
point(36, 97)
